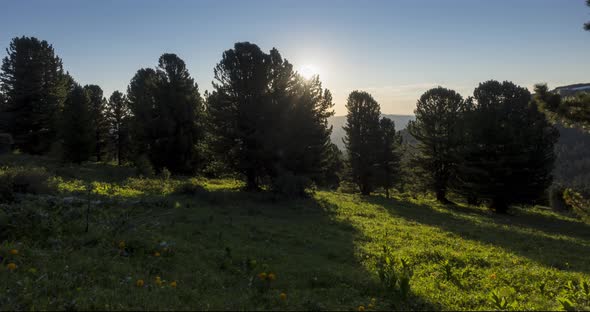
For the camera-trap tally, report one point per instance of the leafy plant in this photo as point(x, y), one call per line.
point(394, 277)
point(500, 302)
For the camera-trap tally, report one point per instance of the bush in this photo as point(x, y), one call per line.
point(25, 180)
point(190, 188)
point(165, 174)
point(556, 200)
point(144, 166)
point(290, 185)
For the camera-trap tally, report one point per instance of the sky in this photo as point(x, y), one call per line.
point(393, 49)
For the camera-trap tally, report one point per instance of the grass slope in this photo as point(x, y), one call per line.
point(213, 240)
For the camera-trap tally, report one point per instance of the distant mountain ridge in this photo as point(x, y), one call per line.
point(572, 89)
point(338, 122)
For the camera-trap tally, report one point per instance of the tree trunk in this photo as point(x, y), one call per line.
point(499, 205)
point(441, 196)
point(251, 183)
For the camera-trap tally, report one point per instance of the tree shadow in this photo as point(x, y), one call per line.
point(511, 232)
point(303, 238)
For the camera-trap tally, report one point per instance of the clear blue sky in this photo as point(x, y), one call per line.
point(395, 49)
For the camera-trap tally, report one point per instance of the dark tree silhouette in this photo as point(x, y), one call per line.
point(33, 83)
point(306, 143)
point(97, 119)
point(362, 139)
point(587, 25)
point(508, 153)
point(572, 111)
point(168, 114)
point(77, 132)
point(117, 117)
point(141, 94)
point(438, 113)
point(178, 117)
point(246, 111)
point(389, 157)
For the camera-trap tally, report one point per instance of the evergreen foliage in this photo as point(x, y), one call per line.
point(508, 153)
point(32, 80)
point(437, 129)
point(362, 140)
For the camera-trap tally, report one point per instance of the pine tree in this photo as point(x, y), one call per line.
point(77, 132)
point(436, 128)
point(98, 119)
point(508, 155)
point(572, 111)
point(587, 25)
point(142, 94)
point(117, 117)
point(362, 140)
point(168, 115)
point(246, 109)
point(388, 157)
point(32, 80)
point(178, 117)
point(306, 144)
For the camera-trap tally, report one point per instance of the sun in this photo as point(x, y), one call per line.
point(308, 71)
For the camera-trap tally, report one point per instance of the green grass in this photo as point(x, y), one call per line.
point(323, 250)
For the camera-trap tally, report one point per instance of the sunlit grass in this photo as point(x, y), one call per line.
point(201, 244)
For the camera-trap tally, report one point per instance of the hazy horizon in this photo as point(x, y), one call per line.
point(395, 50)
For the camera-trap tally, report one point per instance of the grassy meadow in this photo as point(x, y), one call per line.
point(99, 237)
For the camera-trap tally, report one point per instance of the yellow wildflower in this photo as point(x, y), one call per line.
point(122, 245)
point(262, 276)
point(139, 283)
point(173, 284)
point(33, 270)
point(156, 254)
point(11, 266)
point(493, 276)
point(158, 281)
point(271, 277)
point(373, 300)
point(13, 252)
point(370, 306)
point(283, 296)
point(361, 308)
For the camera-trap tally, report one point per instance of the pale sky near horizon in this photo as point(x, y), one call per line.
point(394, 49)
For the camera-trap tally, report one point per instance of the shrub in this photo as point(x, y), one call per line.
point(394, 277)
point(190, 188)
point(556, 200)
point(290, 185)
point(144, 166)
point(165, 174)
point(25, 180)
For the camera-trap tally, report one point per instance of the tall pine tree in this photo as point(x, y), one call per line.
point(388, 157)
point(142, 94)
point(168, 115)
point(117, 118)
point(306, 146)
point(77, 132)
point(97, 119)
point(32, 79)
point(436, 128)
point(245, 110)
point(362, 140)
point(507, 155)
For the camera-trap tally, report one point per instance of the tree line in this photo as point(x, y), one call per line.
point(269, 125)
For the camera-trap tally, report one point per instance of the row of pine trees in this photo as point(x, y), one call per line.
point(266, 123)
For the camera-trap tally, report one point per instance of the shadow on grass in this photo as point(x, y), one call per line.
point(506, 231)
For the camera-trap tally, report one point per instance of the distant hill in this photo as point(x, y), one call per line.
point(401, 121)
point(572, 89)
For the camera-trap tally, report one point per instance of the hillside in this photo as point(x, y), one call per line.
point(180, 243)
point(401, 121)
